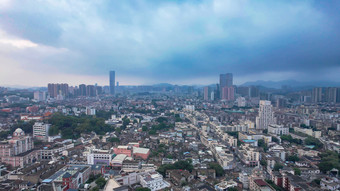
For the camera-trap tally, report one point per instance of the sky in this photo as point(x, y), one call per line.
point(179, 42)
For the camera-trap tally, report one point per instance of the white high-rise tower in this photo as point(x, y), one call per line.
point(266, 115)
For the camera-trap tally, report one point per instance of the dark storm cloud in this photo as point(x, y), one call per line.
point(183, 40)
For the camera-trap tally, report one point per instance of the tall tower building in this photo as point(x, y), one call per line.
point(226, 86)
point(330, 94)
point(112, 82)
point(58, 89)
point(226, 80)
point(317, 95)
point(266, 115)
point(82, 90)
point(206, 93)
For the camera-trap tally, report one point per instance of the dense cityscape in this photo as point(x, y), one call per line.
point(170, 95)
point(168, 137)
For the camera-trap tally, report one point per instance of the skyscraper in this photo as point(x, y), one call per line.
point(112, 82)
point(266, 115)
point(228, 93)
point(206, 93)
point(58, 89)
point(317, 95)
point(82, 90)
point(330, 94)
point(226, 80)
point(226, 86)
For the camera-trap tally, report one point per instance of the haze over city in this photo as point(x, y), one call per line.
point(179, 42)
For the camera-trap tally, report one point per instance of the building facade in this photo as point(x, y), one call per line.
point(266, 115)
point(18, 151)
point(40, 131)
point(112, 82)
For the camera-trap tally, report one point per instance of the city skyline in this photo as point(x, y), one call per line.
point(163, 42)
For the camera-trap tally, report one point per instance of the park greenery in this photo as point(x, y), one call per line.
point(101, 182)
point(27, 127)
point(329, 160)
point(181, 165)
point(290, 139)
point(313, 141)
point(71, 127)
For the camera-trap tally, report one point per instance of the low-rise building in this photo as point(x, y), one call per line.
point(225, 185)
point(154, 181)
point(99, 156)
point(278, 129)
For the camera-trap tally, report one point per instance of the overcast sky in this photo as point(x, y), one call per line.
point(180, 42)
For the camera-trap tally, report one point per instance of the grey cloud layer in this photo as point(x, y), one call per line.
point(170, 40)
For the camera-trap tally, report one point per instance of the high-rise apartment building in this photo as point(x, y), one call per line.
point(266, 115)
point(228, 93)
point(82, 90)
point(226, 86)
point(254, 91)
point(40, 131)
point(226, 80)
point(206, 93)
point(330, 94)
point(317, 95)
point(40, 96)
point(243, 91)
point(55, 90)
point(112, 82)
point(90, 91)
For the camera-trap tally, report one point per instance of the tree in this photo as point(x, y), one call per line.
point(313, 141)
point(95, 189)
point(152, 132)
point(114, 140)
point(143, 189)
point(329, 160)
point(118, 130)
point(161, 119)
point(54, 130)
point(144, 128)
point(233, 133)
point(183, 165)
point(262, 144)
point(317, 181)
point(218, 169)
point(278, 166)
point(297, 171)
point(276, 140)
point(293, 158)
point(232, 189)
point(101, 182)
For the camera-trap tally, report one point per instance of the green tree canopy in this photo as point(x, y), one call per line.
point(218, 169)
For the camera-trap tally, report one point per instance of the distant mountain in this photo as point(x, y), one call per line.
point(291, 83)
point(163, 85)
